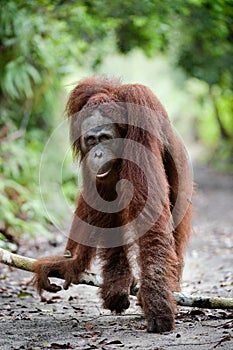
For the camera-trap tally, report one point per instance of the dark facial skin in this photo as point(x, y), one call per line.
point(100, 141)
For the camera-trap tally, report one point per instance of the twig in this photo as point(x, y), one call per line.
point(92, 279)
point(14, 136)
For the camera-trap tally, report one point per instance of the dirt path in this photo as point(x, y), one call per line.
point(75, 319)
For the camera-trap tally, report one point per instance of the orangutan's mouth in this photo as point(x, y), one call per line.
point(104, 170)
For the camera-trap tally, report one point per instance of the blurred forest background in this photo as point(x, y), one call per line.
point(182, 50)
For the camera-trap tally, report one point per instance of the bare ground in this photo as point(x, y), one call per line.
point(75, 319)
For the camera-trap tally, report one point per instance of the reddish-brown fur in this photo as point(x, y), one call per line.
point(161, 247)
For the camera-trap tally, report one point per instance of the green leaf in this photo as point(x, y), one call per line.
point(23, 295)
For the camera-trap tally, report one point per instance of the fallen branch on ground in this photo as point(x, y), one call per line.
point(92, 279)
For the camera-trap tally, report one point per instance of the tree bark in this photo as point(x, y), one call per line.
point(223, 132)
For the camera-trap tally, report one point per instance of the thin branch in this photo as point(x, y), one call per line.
point(15, 260)
point(92, 279)
point(223, 132)
point(14, 136)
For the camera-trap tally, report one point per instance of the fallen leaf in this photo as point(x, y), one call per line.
point(89, 326)
point(22, 295)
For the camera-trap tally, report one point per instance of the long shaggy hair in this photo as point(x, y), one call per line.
point(154, 161)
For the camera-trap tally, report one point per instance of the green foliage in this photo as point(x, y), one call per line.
point(31, 46)
point(133, 24)
point(222, 158)
point(202, 45)
point(205, 49)
point(21, 210)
